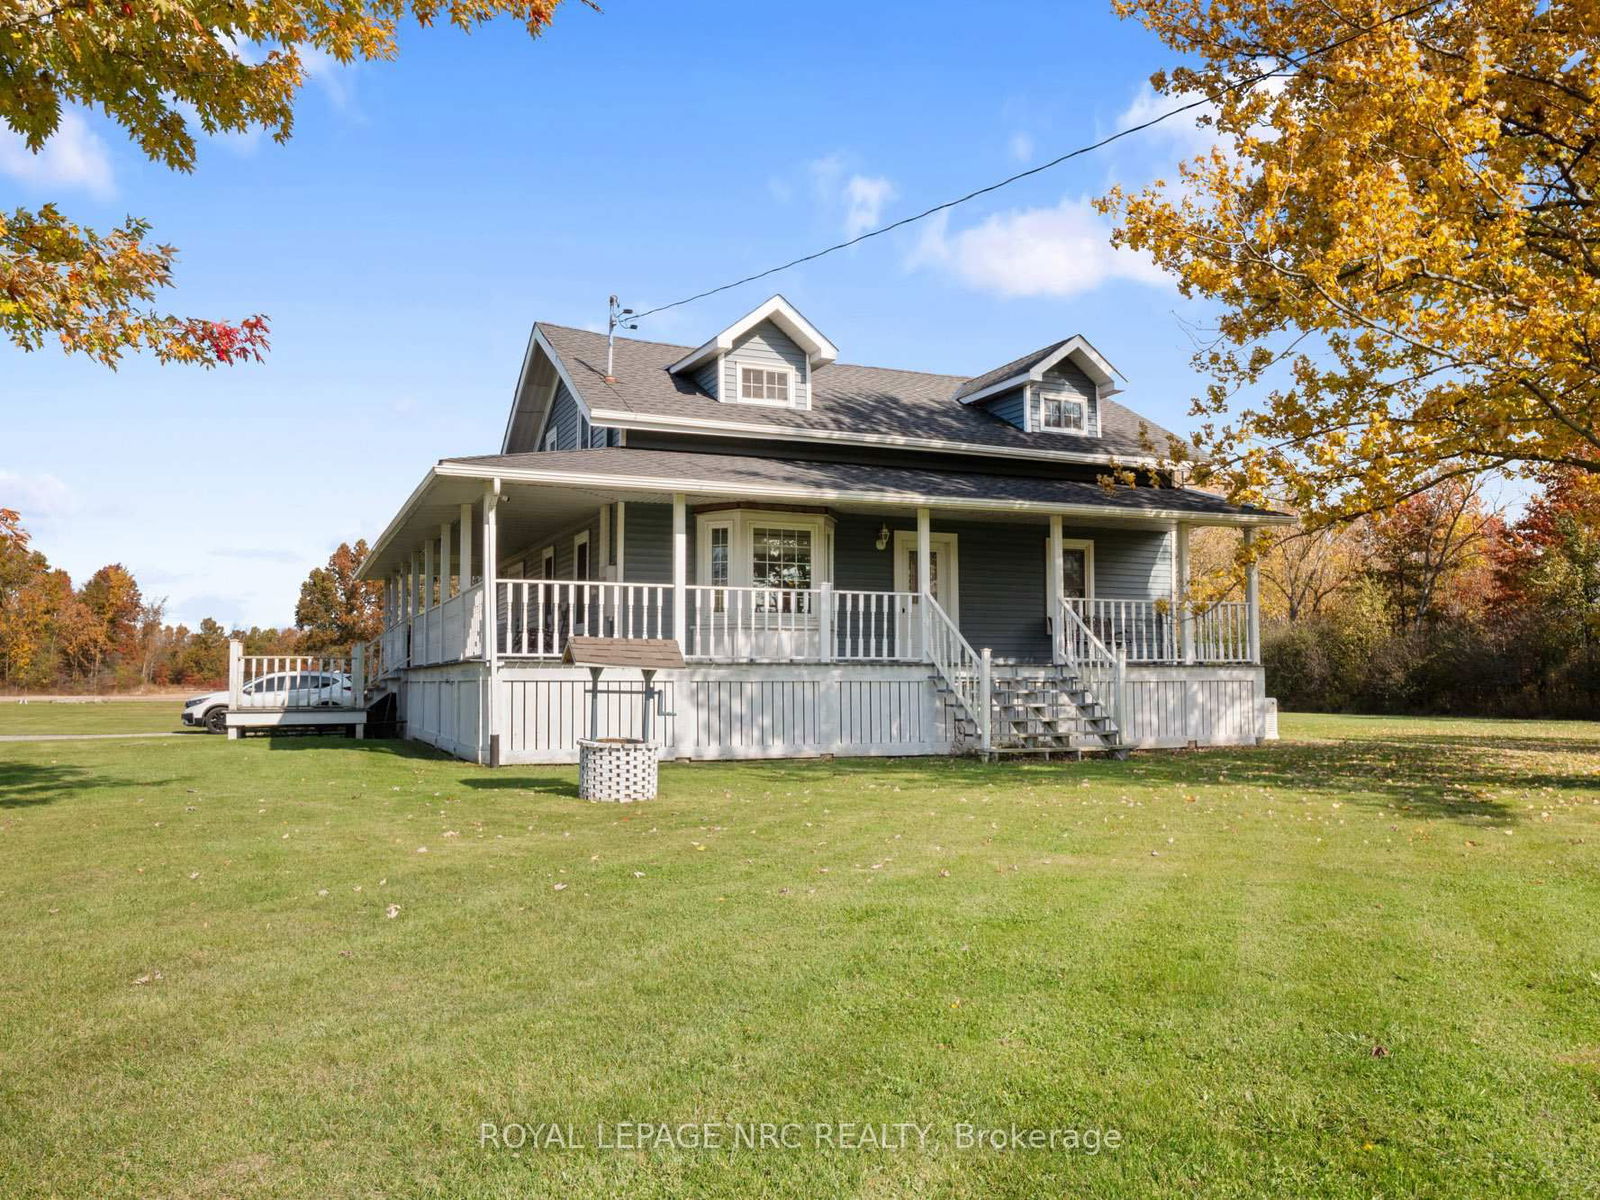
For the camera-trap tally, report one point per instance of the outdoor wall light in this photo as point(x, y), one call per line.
point(883, 538)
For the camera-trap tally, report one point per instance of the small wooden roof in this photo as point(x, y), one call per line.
point(647, 654)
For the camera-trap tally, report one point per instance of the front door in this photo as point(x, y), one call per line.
point(943, 576)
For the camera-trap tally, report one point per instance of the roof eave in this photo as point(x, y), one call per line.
point(813, 493)
point(657, 423)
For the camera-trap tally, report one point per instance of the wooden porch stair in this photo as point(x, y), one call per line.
point(1041, 711)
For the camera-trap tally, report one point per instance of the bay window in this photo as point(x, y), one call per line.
point(782, 556)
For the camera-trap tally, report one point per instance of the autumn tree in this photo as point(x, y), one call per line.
point(1425, 542)
point(1399, 229)
point(1549, 581)
point(336, 610)
point(162, 71)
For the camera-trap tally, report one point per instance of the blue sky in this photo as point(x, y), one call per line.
point(427, 211)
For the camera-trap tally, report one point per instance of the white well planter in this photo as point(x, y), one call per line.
point(616, 769)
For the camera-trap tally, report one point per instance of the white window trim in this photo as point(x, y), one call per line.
point(551, 438)
point(1082, 428)
point(581, 539)
point(739, 522)
point(585, 428)
point(904, 581)
point(547, 563)
point(1033, 413)
point(1087, 546)
point(738, 384)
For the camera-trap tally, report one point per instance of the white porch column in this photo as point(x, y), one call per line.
point(924, 576)
point(680, 569)
point(1180, 590)
point(1052, 573)
point(444, 562)
point(466, 546)
point(491, 626)
point(1252, 597)
point(416, 582)
point(427, 574)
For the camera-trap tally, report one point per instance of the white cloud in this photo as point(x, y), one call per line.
point(1184, 135)
point(1060, 251)
point(74, 157)
point(337, 79)
point(859, 199)
point(1021, 147)
point(41, 497)
point(865, 196)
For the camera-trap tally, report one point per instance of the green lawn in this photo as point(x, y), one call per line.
point(99, 716)
point(1363, 962)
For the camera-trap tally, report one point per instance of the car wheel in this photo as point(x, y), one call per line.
point(217, 720)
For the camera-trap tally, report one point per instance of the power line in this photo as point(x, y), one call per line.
point(1210, 98)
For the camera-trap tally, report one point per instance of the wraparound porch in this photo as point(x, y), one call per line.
point(758, 587)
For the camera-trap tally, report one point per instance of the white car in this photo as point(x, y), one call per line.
point(286, 689)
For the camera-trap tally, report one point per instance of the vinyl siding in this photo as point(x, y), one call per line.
point(564, 414)
point(647, 543)
point(1129, 564)
point(1009, 406)
point(706, 377)
point(767, 346)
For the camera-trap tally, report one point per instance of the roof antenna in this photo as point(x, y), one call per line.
point(616, 316)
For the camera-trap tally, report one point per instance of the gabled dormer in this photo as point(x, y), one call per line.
point(766, 357)
point(1054, 390)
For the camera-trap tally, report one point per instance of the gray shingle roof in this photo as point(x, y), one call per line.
point(1014, 367)
point(688, 471)
point(844, 398)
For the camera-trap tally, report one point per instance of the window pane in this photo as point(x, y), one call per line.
point(780, 558)
point(719, 556)
point(1074, 573)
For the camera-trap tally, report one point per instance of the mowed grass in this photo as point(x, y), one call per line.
point(93, 716)
point(1362, 962)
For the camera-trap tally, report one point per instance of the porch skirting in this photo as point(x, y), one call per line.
point(748, 711)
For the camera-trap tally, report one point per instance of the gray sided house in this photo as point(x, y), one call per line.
point(853, 560)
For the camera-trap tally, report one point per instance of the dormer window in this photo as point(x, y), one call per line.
point(759, 385)
point(1062, 414)
point(769, 356)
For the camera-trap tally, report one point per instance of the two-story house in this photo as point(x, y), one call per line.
point(854, 560)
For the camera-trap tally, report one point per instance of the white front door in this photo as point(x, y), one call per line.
point(943, 568)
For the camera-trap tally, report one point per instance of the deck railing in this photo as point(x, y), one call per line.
point(1151, 631)
point(291, 682)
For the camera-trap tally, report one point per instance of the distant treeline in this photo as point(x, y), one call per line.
point(107, 635)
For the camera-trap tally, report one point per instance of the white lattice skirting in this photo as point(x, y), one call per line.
point(616, 770)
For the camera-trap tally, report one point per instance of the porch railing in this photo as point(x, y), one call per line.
point(1151, 631)
point(721, 624)
point(876, 626)
point(446, 632)
point(396, 642)
point(539, 616)
point(1103, 670)
point(964, 672)
point(1222, 633)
